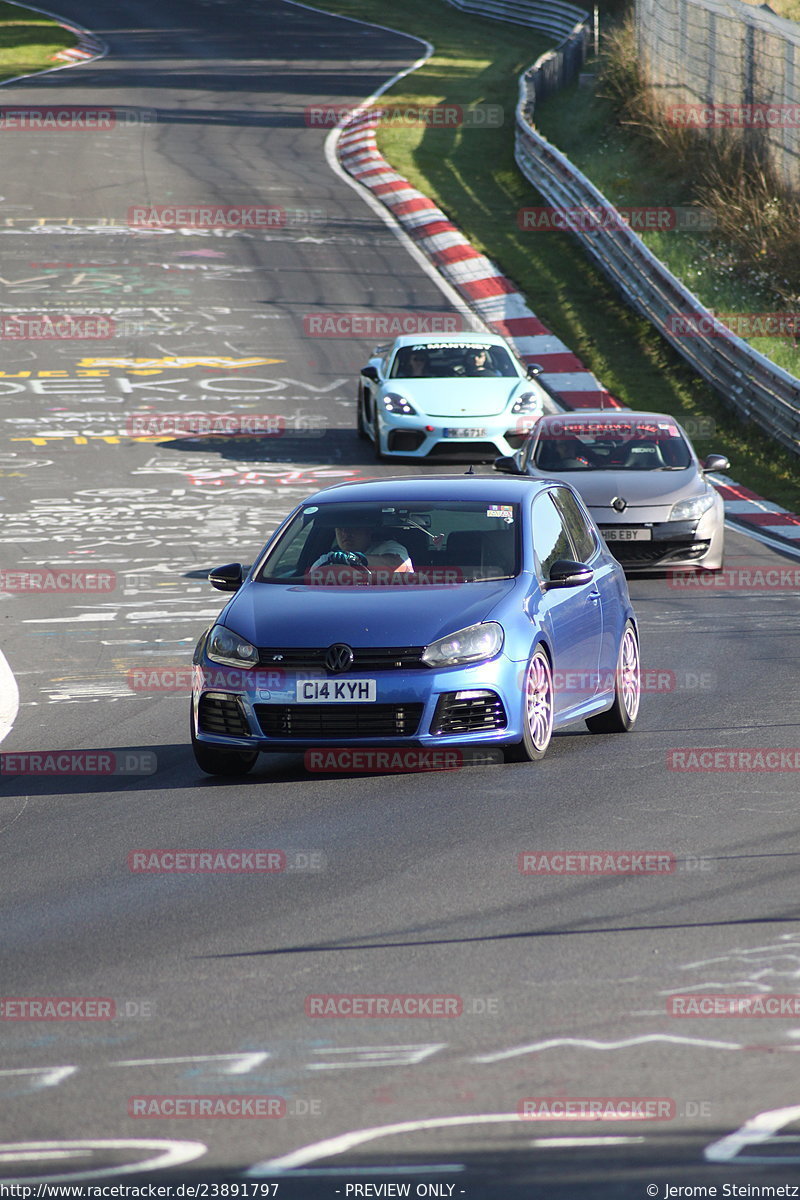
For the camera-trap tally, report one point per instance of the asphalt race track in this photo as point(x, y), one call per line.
point(404, 884)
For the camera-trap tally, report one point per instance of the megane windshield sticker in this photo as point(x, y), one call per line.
point(450, 346)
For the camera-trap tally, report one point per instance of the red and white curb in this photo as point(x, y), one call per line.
point(494, 297)
point(505, 309)
point(80, 53)
point(747, 508)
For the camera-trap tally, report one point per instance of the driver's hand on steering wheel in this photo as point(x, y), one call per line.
point(347, 558)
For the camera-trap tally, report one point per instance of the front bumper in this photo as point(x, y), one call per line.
point(415, 707)
point(670, 546)
point(420, 436)
point(673, 545)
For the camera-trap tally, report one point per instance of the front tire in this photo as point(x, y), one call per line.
point(215, 761)
point(379, 455)
point(627, 689)
point(361, 427)
point(538, 707)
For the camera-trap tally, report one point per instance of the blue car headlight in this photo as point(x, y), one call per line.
point(469, 645)
point(393, 402)
point(526, 403)
point(693, 509)
point(224, 646)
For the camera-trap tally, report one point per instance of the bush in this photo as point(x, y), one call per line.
point(757, 216)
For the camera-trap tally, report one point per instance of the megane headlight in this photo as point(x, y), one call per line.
point(527, 402)
point(693, 509)
point(469, 645)
point(224, 646)
point(395, 403)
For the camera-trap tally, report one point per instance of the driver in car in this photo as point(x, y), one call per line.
point(362, 546)
point(477, 362)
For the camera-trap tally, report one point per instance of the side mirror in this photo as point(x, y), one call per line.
point(715, 462)
point(228, 578)
point(507, 464)
point(371, 374)
point(566, 573)
point(534, 369)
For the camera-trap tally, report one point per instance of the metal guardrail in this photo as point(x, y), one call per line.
point(760, 390)
point(550, 16)
point(757, 388)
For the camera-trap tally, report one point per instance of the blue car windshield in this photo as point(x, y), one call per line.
point(416, 545)
point(611, 446)
point(451, 360)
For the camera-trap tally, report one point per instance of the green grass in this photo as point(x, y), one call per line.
point(28, 41)
point(472, 176)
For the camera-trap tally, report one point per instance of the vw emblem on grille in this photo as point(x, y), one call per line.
point(338, 657)
point(618, 504)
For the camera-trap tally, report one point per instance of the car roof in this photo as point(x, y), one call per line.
point(431, 488)
point(444, 339)
point(604, 416)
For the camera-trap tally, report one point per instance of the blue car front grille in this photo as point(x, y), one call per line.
point(217, 715)
point(469, 712)
point(339, 720)
point(365, 658)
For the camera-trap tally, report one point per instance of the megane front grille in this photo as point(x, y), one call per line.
point(640, 554)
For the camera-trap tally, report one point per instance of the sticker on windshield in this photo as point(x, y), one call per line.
point(450, 346)
point(504, 511)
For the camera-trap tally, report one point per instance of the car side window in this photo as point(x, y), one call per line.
point(550, 538)
point(580, 531)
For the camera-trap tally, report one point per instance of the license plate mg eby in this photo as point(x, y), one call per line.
point(628, 535)
point(337, 691)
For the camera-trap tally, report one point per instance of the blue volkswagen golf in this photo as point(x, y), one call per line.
point(440, 612)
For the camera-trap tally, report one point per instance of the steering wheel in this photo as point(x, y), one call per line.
point(354, 560)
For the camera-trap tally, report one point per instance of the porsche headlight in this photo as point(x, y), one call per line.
point(469, 645)
point(224, 646)
point(528, 402)
point(395, 403)
point(693, 509)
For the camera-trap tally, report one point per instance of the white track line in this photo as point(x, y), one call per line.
point(9, 698)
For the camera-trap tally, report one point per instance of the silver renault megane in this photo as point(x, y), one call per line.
point(641, 480)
